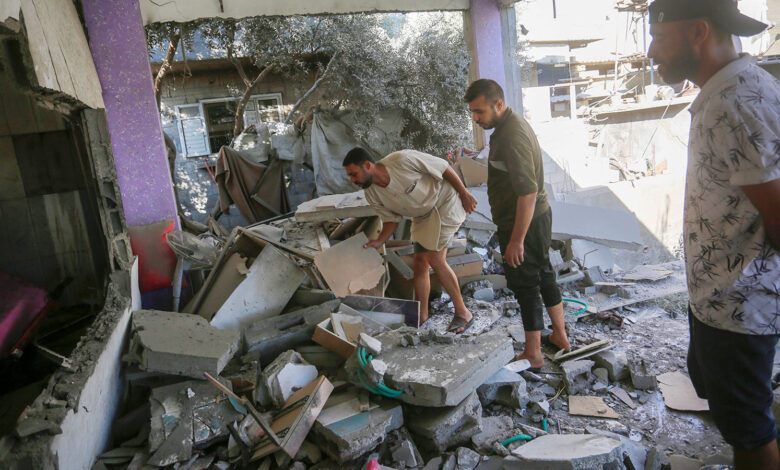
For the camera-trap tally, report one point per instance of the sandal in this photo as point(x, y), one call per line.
point(457, 323)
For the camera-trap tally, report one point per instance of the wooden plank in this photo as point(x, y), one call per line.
point(580, 352)
point(322, 238)
point(45, 72)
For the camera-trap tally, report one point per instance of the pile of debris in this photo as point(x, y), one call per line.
point(303, 349)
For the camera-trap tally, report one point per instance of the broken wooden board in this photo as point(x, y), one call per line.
point(335, 206)
point(679, 393)
point(348, 268)
point(623, 396)
point(590, 406)
point(583, 352)
point(294, 421)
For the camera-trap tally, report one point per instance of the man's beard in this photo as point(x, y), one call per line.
point(682, 67)
point(368, 182)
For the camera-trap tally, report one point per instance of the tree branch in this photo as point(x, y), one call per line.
point(247, 93)
point(173, 44)
point(311, 90)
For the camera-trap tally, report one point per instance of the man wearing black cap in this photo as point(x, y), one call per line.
point(732, 217)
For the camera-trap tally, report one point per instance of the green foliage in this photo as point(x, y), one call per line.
point(413, 65)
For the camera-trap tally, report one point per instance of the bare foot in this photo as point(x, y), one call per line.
point(467, 316)
point(559, 340)
point(536, 360)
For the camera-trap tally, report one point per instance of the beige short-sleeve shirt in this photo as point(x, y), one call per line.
point(418, 190)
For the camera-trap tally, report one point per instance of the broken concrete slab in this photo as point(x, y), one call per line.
point(505, 387)
point(590, 254)
point(615, 228)
point(180, 344)
point(184, 416)
point(348, 268)
point(349, 438)
point(436, 373)
point(517, 332)
point(334, 206)
point(651, 273)
point(570, 452)
point(271, 281)
point(485, 315)
point(272, 336)
point(405, 454)
point(373, 346)
point(635, 453)
point(283, 377)
point(623, 396)
point(438, 429)
point(572, 371)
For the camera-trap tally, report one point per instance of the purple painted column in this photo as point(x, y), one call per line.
point(488, 48)
point(118, 45)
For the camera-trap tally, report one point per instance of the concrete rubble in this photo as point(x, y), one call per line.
point(333, 360)
point(196, 347)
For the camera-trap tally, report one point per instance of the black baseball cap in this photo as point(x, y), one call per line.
point(724, 13)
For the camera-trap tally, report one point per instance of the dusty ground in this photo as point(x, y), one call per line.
point(659, 334)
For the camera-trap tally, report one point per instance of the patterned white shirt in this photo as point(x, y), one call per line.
point(733, 270)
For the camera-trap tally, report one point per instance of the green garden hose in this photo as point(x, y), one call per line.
point(378, 388)
point(578, 312)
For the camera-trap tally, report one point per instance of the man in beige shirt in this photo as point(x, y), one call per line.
point(413, 184)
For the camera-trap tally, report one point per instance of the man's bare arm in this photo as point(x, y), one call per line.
point(766, 198)
point(387, 230)
point(469, 202)
point(524, 214)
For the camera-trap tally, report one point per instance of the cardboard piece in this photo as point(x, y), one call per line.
point(327, 338)
point(590, 406)
point(233, 273)
point(474, 171)
point(348, 268)
point(679, 393)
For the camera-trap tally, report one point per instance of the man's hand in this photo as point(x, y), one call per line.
point(374, 244)
point(469, 202)
point(515, 253)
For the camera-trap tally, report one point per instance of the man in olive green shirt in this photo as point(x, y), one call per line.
point(520, 209)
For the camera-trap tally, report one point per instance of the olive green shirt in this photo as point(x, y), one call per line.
point(514, 169)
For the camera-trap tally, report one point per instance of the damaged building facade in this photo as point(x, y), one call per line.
point(156, 342)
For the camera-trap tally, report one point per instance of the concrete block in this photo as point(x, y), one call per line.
point(272, 336)
point(433, 464)
point(437, 374)
point(570, 452)
point(485, 294)
point(505, 387)
point(601, 374)
point(494, 429)
point(286, 374)
point(352, 437)
point(405, 455)
point(467, 458)
point(572, 370)
point(641, 377)
point(180, 344)
point(615, 361)
point(517, 332)
point(438, 429)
